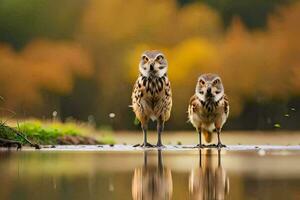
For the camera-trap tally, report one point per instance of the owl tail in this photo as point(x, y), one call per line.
point(207, 136)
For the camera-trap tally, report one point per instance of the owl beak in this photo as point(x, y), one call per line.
point(151, 66)
point(208, 92)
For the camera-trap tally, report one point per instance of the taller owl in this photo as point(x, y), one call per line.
point(152, 96)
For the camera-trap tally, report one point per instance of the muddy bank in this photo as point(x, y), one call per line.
point(77, 140)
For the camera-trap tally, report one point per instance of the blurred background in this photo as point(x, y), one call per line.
point(78, 59)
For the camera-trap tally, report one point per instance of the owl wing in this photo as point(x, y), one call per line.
point(226, 105)
point(223, 110)
point(193, 110)
point(136, 97)
point(167, 101)
point(135, 94)
point(194, 105)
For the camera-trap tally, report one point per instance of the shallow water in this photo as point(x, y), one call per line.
point(190, 174)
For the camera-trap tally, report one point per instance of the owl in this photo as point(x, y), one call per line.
point(208, 109)
point(152, 96)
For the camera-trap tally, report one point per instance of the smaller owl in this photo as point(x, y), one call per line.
point(208, 108)
point(152, 96)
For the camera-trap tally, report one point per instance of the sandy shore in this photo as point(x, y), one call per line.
point(228, 137)
point(174, 148)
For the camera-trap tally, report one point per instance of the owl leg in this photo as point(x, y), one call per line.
point(219, 145)
point(145, 144)
point(199, 145)
point(144, 125)
point(160, 128)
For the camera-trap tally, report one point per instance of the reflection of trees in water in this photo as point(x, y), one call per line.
point(151, 181)
point(4, 155)
point(208, 181)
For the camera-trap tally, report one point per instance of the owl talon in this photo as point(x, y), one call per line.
point(211, 146)
point(160, 146)
point(148, 145)
point(201, 146)
point(136, 145)
point(220, 145)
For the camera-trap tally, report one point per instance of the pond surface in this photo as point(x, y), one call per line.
point(190, 174)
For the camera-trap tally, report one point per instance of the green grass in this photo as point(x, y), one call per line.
point(48, 132)
point(106, 139)
point(7, 132)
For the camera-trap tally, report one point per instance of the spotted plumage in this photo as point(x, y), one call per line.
point(209, 107)
point(152, 96)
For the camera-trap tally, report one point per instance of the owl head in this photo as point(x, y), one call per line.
point(153, 63)
point(209, 87)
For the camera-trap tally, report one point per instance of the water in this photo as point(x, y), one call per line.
point(191, 174)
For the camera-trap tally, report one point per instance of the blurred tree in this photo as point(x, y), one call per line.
point(103, 40)
point(41, 65)
point(267, 65)
point(24, 20)
point(253, 13)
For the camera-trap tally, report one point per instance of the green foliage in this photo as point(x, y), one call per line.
point(136, 121)
point(23, 20)
point(253, 13)
point(47, 133)
point(106, 128)
point(107, 135)
point(107, 139)
point(7, 132)
point(277, 125)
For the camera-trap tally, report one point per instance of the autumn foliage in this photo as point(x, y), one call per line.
point(106, 47)
point(41, 65)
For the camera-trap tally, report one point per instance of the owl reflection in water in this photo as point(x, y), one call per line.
point(208, 181)
point(152, 182)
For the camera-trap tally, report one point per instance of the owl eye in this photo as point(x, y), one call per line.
point(216, 82)
point(201, 92)
point(145, 59)
point(202, 82)
point(159, 58)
